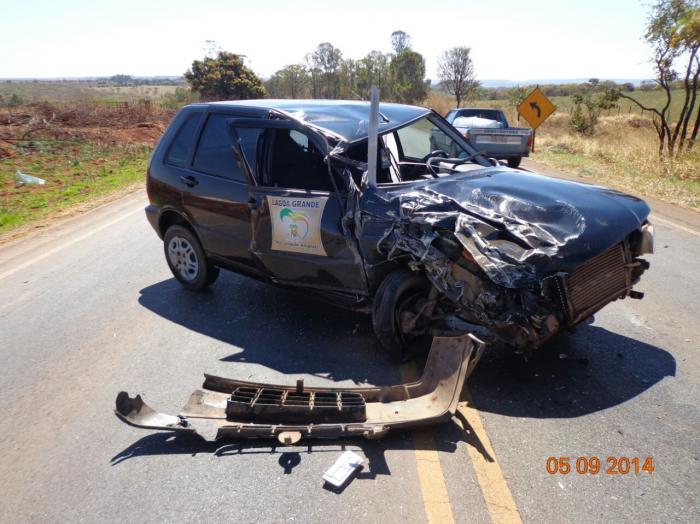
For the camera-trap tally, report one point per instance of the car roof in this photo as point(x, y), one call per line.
point(346, 119)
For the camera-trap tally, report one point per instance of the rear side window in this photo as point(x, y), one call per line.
point(181, 147)
point(215, 151)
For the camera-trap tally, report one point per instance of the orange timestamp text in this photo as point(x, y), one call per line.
point(593, 465)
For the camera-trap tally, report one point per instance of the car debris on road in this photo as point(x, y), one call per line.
point(228, 408)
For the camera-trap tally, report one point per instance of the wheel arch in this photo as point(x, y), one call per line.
point(170, 217)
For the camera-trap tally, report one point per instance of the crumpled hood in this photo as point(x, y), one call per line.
point(518, 226)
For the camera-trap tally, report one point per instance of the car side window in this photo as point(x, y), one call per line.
point(295, 162)
point(179, 151)
point(214, 154)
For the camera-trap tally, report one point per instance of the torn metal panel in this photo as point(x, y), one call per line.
point(219, 409)
point(519, 227)
point(500, 245)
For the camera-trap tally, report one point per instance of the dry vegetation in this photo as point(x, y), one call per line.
point(86, 147)
point(81, 150)
point(623, 153)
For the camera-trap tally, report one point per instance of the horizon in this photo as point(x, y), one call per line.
point(547, 40)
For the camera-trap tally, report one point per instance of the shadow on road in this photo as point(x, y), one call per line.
point(576, 374)
point(288, 457)
point(280, 329)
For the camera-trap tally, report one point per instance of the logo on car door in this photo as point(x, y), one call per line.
point(296, 224)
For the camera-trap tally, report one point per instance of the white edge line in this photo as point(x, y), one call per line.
point(657, 218)
point(67, 244)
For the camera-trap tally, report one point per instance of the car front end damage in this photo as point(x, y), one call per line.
point(228, 408)
point(519, 254)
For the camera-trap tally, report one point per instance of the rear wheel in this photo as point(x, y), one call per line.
point(401, 315)
point(187, 260)
point(514, 162)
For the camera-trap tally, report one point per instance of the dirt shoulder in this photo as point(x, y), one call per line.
point(86, 156)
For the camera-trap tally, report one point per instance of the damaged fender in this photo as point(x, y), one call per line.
point(229, 408)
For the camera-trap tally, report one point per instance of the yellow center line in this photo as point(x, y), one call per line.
point(497, 495)
point(432, 480)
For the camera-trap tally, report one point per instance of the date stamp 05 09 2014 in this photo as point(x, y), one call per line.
point(593, 465)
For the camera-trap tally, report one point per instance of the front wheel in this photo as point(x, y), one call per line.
point(187, 260)
point(514, 162)
point(401, 315)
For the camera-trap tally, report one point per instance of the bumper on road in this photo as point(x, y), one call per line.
point(238, 409)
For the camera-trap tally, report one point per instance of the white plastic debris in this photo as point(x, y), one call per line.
point(339, 472)
point(469, 122)
point(22, 179)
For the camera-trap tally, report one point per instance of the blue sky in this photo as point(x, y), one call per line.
point(516, 40)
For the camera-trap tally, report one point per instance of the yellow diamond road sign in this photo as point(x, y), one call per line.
point(536, 108)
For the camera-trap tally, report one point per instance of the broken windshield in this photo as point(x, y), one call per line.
point(424, 148)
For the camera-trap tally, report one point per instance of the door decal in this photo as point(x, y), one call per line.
point(296, 224)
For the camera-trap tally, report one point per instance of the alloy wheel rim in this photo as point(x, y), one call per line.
point(183, 258)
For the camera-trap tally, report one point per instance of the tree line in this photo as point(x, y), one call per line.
point(326, 73)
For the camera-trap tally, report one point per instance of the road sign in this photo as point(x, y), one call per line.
point(536, 108)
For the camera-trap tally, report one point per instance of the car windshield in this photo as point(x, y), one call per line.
point(425, 148)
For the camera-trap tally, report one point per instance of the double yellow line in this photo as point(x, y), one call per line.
point(494, 488)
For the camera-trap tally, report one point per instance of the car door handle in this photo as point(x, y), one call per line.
point(189, 180)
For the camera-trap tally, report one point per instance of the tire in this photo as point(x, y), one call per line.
point(187, 260)
point(514, 162)
point(397, 288)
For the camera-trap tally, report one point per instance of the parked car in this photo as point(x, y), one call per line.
point(489, 132)
point(275, 190)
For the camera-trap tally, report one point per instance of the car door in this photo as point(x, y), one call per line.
point(296, 222)
point(216, 194)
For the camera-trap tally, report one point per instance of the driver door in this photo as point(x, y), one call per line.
point(297, 211)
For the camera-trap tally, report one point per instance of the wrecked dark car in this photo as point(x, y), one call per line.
point(282, 191)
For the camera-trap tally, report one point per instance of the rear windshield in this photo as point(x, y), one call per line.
point(488, 114)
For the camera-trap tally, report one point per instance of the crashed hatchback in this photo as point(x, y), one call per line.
point(281, 191)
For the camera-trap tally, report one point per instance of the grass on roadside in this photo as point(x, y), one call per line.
point(622, 154)
point(74, 170)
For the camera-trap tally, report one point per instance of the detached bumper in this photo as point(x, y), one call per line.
point(238, 409)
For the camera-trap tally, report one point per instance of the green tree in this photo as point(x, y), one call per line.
point(673, 32)
point(291, 81)
point(400, 42)
point(371, 70)
point(456, 72)
point(224, 77)
point(594, 104)
point(326, 61)
point(122, 80)
point(348, 79)
point(407, 75)
point(15, 100)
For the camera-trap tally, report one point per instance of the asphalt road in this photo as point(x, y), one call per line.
point(89, 308)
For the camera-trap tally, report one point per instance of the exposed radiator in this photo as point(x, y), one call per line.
point(597, 282)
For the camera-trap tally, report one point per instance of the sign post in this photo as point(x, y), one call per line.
point(536, 108)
